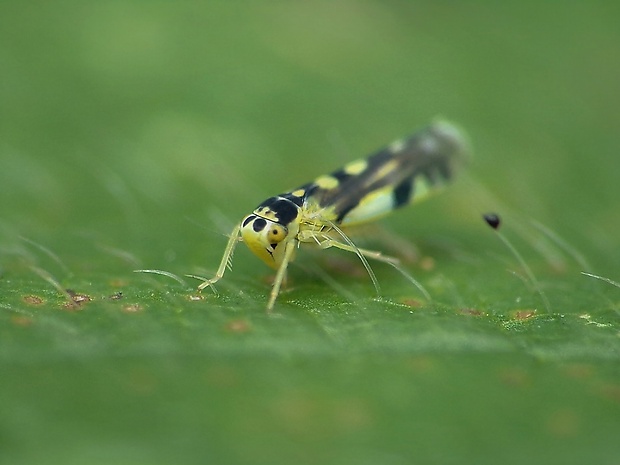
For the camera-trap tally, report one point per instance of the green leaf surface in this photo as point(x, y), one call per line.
point(133, 135)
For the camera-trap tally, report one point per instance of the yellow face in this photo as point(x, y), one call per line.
point(263, 237)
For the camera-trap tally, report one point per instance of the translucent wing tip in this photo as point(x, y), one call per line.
point(453, 135)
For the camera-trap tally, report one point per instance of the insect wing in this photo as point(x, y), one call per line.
point(405, 171)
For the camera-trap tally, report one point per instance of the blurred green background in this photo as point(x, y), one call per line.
point(133, 135)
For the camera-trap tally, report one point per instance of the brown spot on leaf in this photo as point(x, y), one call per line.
point(409, 302)
point(78, 298)
point(238, 326)
point(427, 263)
point(421, 364)
point(471, 312)
point(77, 301)
point(515, 377)
point(523, 315)
point(33, 300)
point(71, 307)
point(21, 320)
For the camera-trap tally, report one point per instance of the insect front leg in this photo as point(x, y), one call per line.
point(281, 274)
point(226, 259)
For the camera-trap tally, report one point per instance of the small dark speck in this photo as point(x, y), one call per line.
point(492, 220)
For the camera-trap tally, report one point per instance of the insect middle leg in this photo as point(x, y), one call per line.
point(327, 242)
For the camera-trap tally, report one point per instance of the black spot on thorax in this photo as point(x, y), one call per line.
point(285, 210)
point(293, 198)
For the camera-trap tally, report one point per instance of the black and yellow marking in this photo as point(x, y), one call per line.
point(279, 209)
point(424, 157)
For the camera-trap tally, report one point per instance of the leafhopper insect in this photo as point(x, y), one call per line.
point(320, 212)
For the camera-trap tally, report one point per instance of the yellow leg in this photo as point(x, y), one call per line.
point(362, 253)
point(325, 242)
point(226, 259)
point(281, 274)
point(329, 242)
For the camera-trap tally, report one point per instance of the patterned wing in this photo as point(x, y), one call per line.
point(407, 170)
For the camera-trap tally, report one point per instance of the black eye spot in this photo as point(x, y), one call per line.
point(274, 232)
point(247, 220)
point(259, 224)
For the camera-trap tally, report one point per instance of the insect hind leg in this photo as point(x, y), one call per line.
point(326, 242)
point(394, 262)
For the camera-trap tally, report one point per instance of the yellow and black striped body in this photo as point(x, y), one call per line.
point(405, 171)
